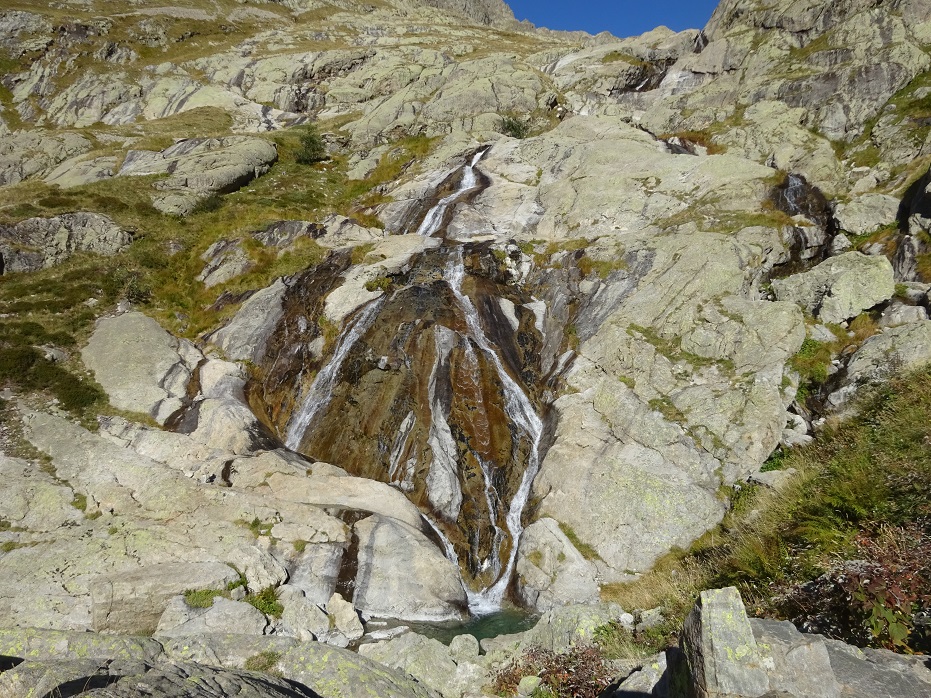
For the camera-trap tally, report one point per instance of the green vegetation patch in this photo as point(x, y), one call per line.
point(203, 598)
point(266, 601)
point(622, 57)
point(587, 551)
point(264, 661)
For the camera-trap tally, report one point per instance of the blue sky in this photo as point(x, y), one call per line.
point(620, 17)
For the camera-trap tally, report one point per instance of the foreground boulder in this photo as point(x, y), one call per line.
point(38, 243)
point(140, 366)
point(729, 655)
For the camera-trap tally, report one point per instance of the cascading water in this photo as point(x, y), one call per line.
point(434, 218)
point(321, 389)
point(795, 188)
point(417, 394)
point(520, 410)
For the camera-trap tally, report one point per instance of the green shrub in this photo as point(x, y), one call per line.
point(202, 598)
point(382, 283)
point(514, 127)
point(267, 602)
point(264, 661)
point(312, 148)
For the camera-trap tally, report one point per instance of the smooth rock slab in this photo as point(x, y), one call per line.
point(141, 367)
point(42, 645)
point(550, 570)
point(223, 617)
point(337, 673)
point(122, 680)
point(244, 337)
point(230, 651)
point(129, 601)
point(841, 287)
point(401, 574)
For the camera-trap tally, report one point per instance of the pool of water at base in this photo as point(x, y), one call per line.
point(503, 622)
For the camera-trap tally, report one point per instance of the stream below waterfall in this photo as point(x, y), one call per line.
point(430, 388)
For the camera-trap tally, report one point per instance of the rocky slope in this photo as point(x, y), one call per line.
point(542, 307)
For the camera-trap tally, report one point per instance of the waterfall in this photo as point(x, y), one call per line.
point(519, 410)
point(434, 218)
point(321, 390)
point(794, 189)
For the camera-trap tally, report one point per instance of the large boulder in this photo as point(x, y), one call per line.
point(199, 167)
point(731, 656)
point(430, 662)
point(550, 569)
point(223, 616)
point(38, 243)
point(337, 673)
point(402, 574)
point(78, 677)
point(133, 601)
point(721, 650)
point(881, 356)
point(841, 287)
point(141, 367)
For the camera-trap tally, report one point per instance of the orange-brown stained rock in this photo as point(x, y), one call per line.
point(385, 379)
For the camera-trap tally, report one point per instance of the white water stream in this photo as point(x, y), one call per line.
point(520, 411)
point(321, 390)
point(434, 218)
point(518, 406)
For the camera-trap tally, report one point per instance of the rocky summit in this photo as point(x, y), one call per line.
point(325, 317)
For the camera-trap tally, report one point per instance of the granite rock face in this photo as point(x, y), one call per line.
point(140, 366)
point(840, 288)
point(37, 243)
point(200, 167)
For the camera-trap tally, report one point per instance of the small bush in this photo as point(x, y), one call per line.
point(581, 672)
point(264, 661)
point(202, 598)
point(514, 127)
point(312, 148)
point(267, 602)
point(382, 283)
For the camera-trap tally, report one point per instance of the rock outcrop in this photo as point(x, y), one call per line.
point(37, 243)
point(200, 167)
